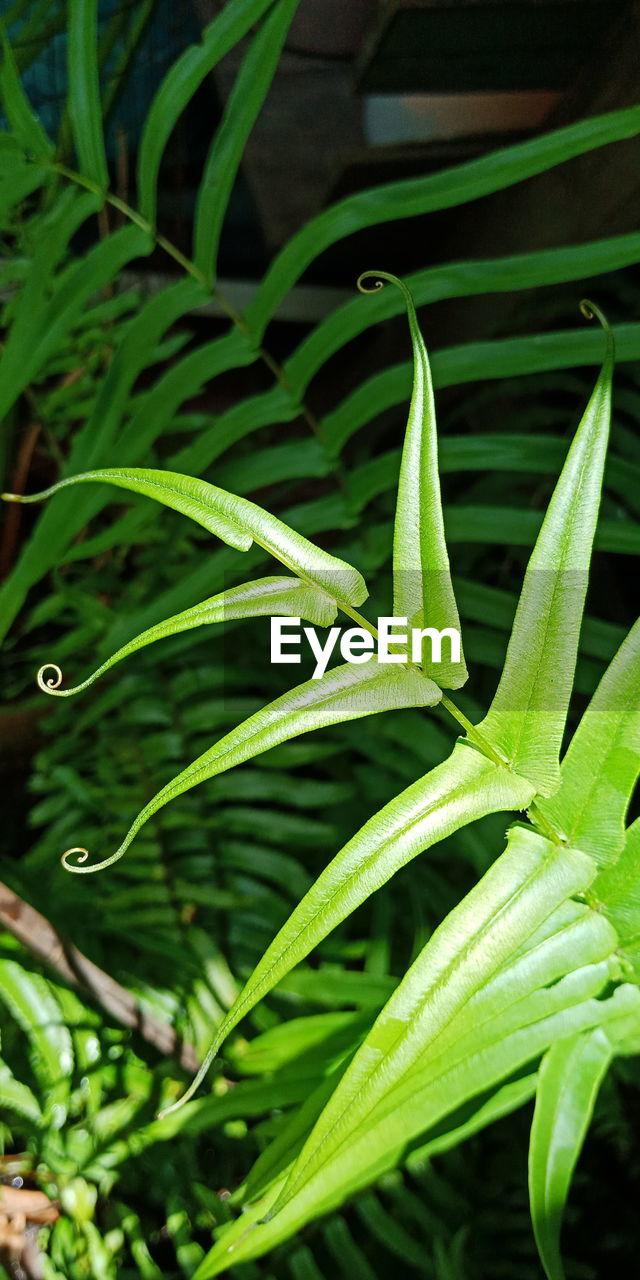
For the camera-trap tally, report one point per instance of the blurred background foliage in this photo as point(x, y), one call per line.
point(183, 919)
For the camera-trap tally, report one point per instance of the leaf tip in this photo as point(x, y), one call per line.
point(83, 854)
point(591, 311)
point(375, 276)
point(49, 684)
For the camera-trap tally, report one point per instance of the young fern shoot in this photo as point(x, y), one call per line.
point(526, 968)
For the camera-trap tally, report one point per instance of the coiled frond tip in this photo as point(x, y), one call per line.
point(49, 684)
point(374, 276)
point(83, 855)
point(591, 311)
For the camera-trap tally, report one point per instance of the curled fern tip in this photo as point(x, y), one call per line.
point(374, 276)
point(49, 684)
point(83, 854)
point(591, 311)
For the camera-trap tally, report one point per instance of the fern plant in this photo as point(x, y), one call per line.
point(530, 963)
point(537, 963)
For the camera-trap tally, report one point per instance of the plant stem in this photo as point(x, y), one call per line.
point(545, 827)
point(357, 617)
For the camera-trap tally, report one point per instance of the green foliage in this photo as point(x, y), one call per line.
point(471, 982)
point(423, 592)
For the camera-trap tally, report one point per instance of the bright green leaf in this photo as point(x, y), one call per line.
point(616, 892)
point(344, 693)
point(277, 596)
point(422, 592)
point(235, 520)
point(527, 716)
point(516, 895)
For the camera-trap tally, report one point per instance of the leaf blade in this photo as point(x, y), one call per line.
point(423, 591)
point(179, 86)
point(446, 189)
point(251, 600)
point(235, 520)
point(243, 105)
point(513, 898)
point(527, 716)
point(20, 115)
point(602, 763)
point(344, 693)
point(568, 1082)
point(85, 109)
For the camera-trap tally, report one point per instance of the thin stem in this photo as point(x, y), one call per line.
point(472, 733)
point(546, 828)
point(357, 617)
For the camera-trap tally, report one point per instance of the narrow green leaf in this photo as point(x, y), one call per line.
point(568, 1082)
point(518, 528)
point(344, 693)
point(539, 454)
point(422, 588)
point(443, 190)
point(463, 788)
point(235, 520)
point(426, 1102)
point(296, 1040)
point(602, 764)
point(474, 362)
point(244, 103)
point(179, 86)
point(85, 109)
point(527, 716)
point(17, 108)
point(265, 596)
point(455, 280)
